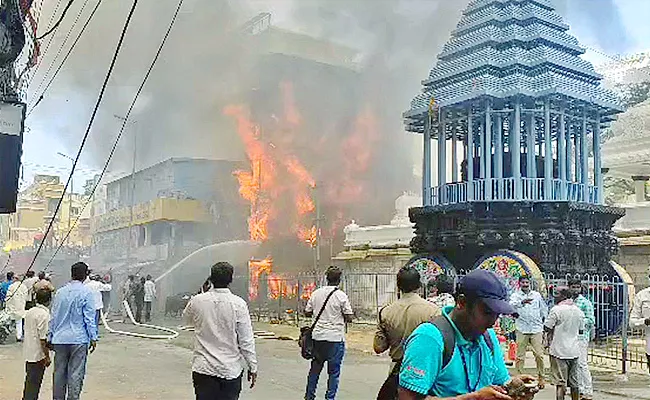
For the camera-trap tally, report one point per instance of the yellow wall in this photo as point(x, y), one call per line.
point(31, 214)
point(155, 210)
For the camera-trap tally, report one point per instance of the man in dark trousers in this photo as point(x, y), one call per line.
point(72, 334)
point(35, 350)
point(138, 297)
point(224, 339)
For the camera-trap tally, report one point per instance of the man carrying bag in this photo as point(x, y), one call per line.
point(327, 333)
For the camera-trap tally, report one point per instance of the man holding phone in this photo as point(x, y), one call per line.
point(531, 311)
point(457, 355)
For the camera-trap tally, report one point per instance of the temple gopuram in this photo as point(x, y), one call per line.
point(515, 117)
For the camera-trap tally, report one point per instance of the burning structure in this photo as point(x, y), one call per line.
point(309, 169)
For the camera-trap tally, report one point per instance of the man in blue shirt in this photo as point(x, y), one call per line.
point(72, 334)
point(475, 368)
point(4, 286)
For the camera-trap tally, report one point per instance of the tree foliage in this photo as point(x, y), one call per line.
point(634, 93)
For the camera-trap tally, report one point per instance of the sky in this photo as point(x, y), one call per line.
point(629, 35)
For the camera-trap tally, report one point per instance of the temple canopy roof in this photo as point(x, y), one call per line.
point(627, 153)
point(503, 49)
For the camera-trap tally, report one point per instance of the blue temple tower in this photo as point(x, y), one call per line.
point(517, 117)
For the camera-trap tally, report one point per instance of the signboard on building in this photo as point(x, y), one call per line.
point(12, 117)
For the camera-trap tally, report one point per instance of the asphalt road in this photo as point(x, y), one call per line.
point(126, 368)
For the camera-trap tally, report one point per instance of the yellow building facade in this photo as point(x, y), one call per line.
point(36, 205)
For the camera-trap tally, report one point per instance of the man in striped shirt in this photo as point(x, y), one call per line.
point(587, 308)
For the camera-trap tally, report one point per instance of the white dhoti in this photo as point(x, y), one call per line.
point(584, 375)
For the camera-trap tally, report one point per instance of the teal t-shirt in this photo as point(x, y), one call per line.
point(422, 362)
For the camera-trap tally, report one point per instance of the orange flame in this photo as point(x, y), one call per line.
point(275, 172)
point(257, 268)
point(308, 235)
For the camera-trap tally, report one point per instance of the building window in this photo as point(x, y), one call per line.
point(160, 232)
point(51, 205)
point(74, 211)
point(142, 235)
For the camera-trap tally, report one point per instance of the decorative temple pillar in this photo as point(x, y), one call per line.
point(531, 170)
point(515, 149)
point(569, 153)
point(470, 155)
point(442, 155)
point(598, 164)
point(426, 162)
point(639, 187)
point(498, 147)
point(576, 147)
point(454, 152)
point(584, 158)
point(487, 151)
point(561, 154)
point(548, 152)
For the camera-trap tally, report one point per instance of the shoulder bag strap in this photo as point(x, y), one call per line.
point(448, 338)
point(323, 308)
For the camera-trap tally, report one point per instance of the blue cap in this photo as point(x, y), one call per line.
point(487, 286)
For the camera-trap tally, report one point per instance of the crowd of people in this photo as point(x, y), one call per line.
point(65, 321)
point(442, 344)
point(139, 293)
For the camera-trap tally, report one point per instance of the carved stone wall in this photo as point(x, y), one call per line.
point(560, 237)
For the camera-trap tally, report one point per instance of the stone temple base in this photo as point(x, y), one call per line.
point(560, 237)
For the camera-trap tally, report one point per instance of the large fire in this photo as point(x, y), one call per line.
point(285, 154)
point(281, 188)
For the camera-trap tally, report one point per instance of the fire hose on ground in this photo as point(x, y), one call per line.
point(171, 334)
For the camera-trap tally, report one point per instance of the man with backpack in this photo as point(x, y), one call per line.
point(397, 321)
point(457, 355)
point(333, 311)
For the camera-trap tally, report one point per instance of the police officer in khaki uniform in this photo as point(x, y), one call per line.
point(397, 321)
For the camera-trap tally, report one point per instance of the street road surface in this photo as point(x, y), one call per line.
point(126, 368)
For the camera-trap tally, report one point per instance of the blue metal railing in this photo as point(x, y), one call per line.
point(506, 189)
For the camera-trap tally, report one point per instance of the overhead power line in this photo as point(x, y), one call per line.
point(74, 44)
point(56, 25)
point(60, 50)
point(47, 46)
point(100, 97)
point(119, 135)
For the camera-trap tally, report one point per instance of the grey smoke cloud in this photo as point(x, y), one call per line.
point(600, 19)
point(205, 66)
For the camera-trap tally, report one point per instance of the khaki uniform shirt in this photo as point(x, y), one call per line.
point(398, 320)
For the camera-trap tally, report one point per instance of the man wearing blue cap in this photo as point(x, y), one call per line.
point(457, 356)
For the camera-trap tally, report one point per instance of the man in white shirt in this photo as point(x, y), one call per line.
point(640, 316)
point(35, 350)
point(149, 297)
point(531, 312)
point(97, 286)
point(328, 334)
point(15, 302)
point(223, 339)
point(565, 324)
point(30, 280)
